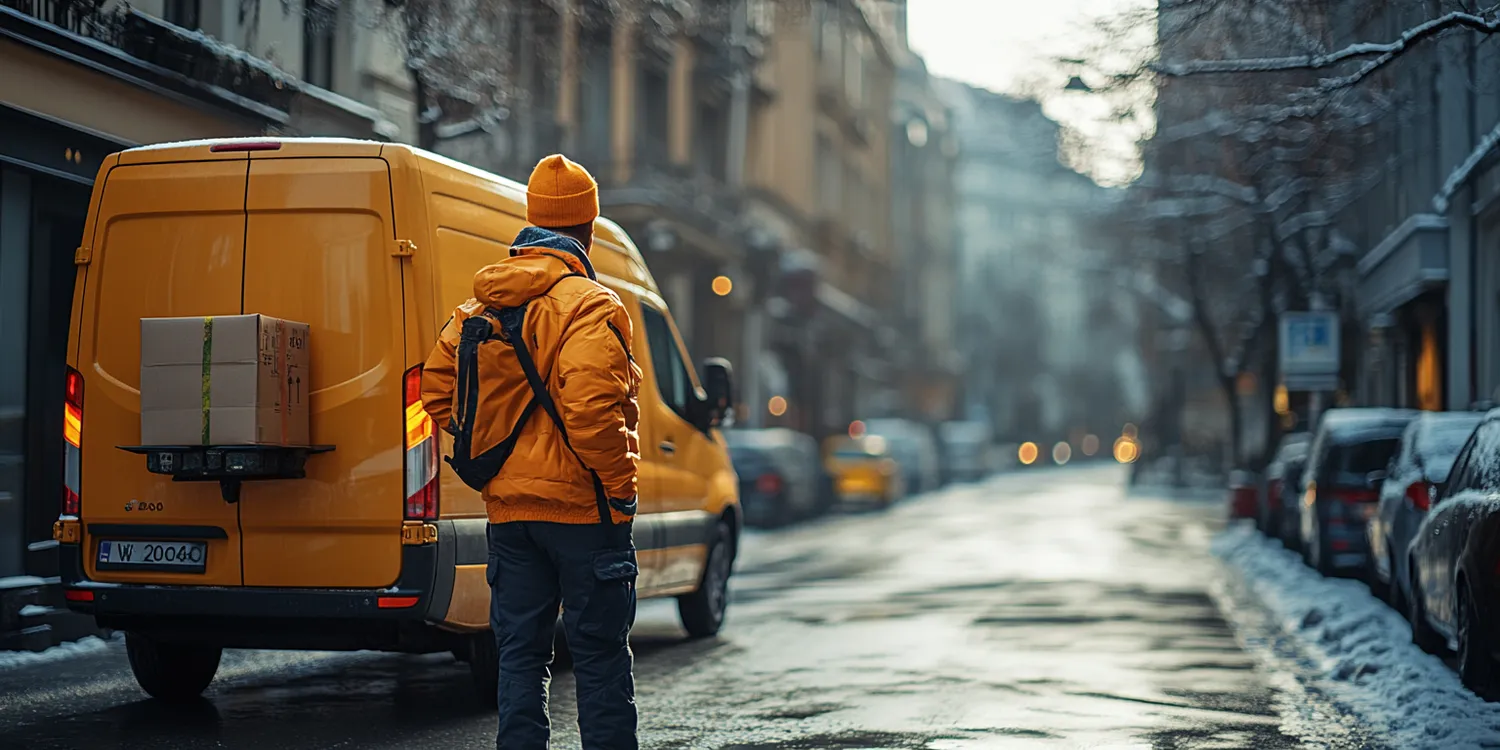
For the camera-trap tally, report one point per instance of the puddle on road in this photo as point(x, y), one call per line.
point(798, 713)
point(861, 741)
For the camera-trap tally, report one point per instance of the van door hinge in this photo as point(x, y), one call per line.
point(404, 249)
point(83, 255)
point(416, 533)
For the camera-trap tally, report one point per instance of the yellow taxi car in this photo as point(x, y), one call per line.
point(863, 470)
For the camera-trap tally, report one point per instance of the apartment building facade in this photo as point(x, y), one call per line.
point(81, 81)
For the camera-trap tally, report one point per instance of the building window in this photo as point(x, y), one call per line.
point(854, 72)
point(712, 140)
point(833, 43)
point(653, 116)
point(762, 16)
point(594, 101)
point(318, 28)
point(828, 177)
point(182, 13)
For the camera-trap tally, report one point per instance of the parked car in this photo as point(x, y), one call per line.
point(965, 450)
point(1428, 448)
point(1244, 489)
point(1273, 496)
point(780, 475)
point(864, 471)
point(1345, 463)
point(913, 446)
point(1453, 580)
point(1287, 524)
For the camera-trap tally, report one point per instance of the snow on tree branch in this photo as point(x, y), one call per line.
point(1461, 173)
point(1383, 53)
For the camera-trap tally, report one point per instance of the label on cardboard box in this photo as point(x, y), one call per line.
point(224, 380)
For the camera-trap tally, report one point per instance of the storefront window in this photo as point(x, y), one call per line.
point(1429, 371)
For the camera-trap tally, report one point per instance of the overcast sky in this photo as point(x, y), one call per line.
point(1013, 46)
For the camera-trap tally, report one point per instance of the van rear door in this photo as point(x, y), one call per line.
point(168, 241)
point(319, 241)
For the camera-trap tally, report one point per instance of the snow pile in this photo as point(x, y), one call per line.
point(81, 647)
point(1361, 650)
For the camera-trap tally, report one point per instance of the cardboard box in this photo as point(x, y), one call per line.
point(226, 380)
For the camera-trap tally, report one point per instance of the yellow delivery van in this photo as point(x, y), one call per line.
point(362, 538)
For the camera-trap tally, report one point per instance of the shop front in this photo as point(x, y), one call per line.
point(1403, 298)
point(67, 103)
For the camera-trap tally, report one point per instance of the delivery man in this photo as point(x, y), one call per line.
point(557, 403)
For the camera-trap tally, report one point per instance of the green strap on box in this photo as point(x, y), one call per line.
point(208, 356)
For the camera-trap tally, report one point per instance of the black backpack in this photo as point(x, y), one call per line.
point(477, 471)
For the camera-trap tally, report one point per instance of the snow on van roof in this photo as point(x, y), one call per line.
point(516, 189)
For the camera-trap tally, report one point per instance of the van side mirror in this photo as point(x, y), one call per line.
point(718, 384)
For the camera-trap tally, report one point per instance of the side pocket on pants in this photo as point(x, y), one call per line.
point(611, 605)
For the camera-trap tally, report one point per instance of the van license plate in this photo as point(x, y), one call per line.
point(176, 557)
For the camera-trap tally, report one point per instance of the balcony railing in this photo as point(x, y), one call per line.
point(81, 17)
point(193, 59)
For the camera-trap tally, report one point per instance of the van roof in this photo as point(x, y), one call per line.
point(613, 236)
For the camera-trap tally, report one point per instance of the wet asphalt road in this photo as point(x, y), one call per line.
point(1039, 609)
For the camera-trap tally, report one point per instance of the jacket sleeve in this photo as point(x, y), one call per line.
point(598, 382)
point(439, 373)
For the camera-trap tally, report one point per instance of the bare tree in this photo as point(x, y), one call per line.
point(1246, 179)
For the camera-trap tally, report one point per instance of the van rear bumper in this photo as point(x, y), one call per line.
point(292, 618)
point(418, 565)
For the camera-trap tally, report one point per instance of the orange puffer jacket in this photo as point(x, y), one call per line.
point(578, 332)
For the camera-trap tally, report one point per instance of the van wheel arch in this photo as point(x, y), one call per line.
point(733, 517)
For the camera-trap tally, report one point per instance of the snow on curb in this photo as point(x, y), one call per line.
point(1362, 650)
point(81, 647)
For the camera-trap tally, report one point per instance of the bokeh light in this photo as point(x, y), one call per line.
point(723, 285)
point(777, 406)
point(1028, 453)
point(1127, 450)
point(1062, 453)
point(1090, 445)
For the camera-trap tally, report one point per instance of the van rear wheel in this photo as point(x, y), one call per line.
point(171, 671)
point(703, 611)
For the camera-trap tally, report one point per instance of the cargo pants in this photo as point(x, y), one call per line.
point(533, 568)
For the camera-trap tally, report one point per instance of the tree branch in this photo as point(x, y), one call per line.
point(1383, 53)
point(1460, 174)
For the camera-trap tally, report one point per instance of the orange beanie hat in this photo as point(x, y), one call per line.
point(561, 193)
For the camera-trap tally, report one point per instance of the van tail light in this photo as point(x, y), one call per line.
point(1419, 494)
point(72, 499)
point(422, 460)
point(769, 484)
